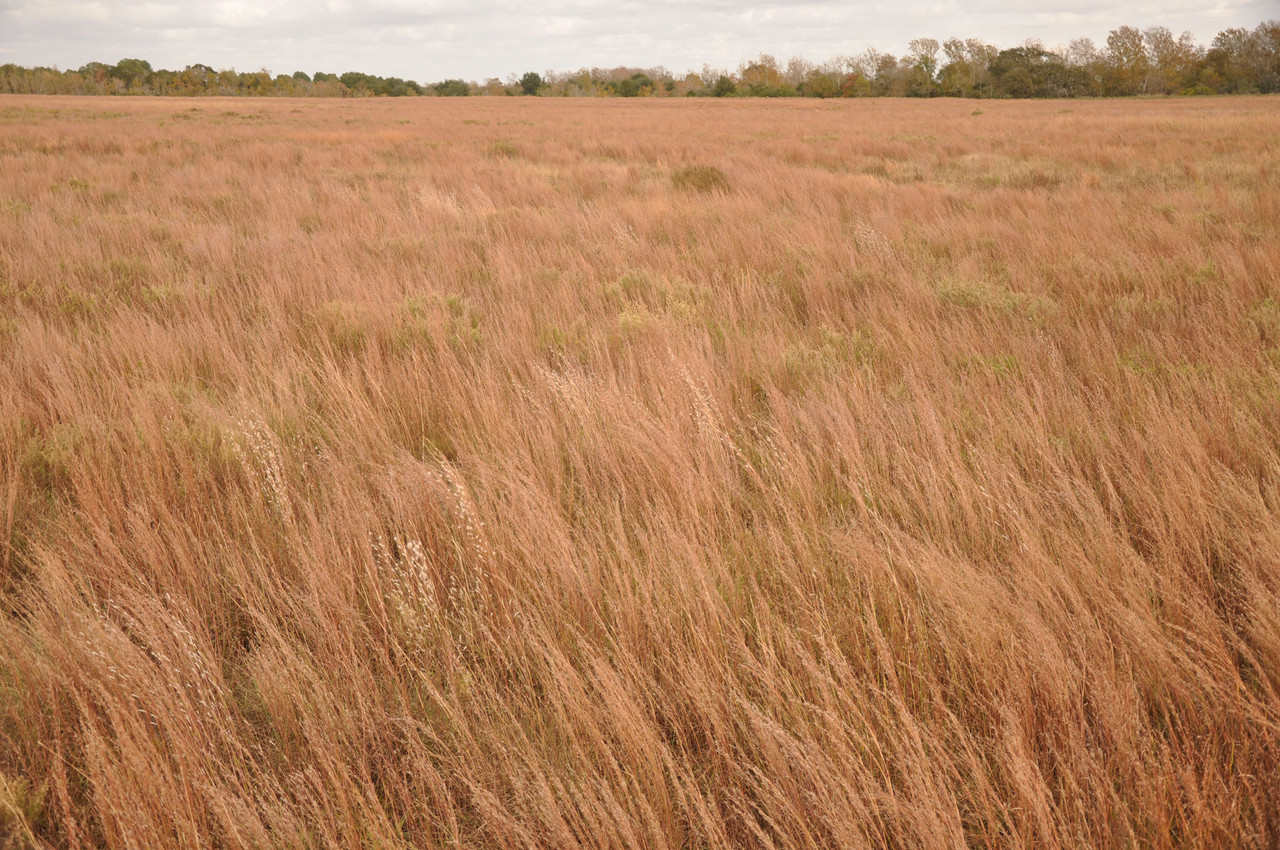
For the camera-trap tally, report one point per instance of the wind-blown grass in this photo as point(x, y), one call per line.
point(360, 486)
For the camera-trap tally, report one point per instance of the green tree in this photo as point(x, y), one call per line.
point(227, 81)
point(637, 84)
point(820, 83)
point(1035, 72)
point(357, 82)
point(130, 71)
point(97, 72)
point(452, 88)
point(531, 83)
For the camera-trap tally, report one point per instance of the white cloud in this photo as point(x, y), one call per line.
point(433, 39)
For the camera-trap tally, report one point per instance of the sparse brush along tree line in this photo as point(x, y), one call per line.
point(1133, 62)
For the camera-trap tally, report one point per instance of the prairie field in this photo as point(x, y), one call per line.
point(524, 473)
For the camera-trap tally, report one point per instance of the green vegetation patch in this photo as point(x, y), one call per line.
point(502, 150)
point(1264, 317)
point(982, 294)
point(700, 178)
point(47, 458)
point(15, 207)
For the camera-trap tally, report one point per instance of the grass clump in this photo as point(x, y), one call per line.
point(984, 294)
point(700, 178)
point(502, 150)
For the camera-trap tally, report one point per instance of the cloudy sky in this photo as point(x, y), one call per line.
point(429, 40)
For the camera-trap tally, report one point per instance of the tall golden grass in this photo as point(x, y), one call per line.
point(665, 474)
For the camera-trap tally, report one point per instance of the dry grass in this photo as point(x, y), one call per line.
point(440, 474)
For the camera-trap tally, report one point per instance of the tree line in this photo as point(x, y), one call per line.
point(1133, 61)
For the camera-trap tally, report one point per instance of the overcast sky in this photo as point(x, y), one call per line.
point(429, 40)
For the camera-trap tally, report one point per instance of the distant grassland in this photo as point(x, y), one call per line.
point(534, 473)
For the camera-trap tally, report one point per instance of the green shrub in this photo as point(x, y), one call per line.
point(452, 88)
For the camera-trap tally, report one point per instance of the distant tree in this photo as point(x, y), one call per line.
point(1148, 61)
point(1090, 64)
point(225, 82)
point(955, 77)
point(95, 71)
point(924, 67)
point(637, 84)
point(1246, 61)
point(197, 78)
point(797, 72)
point(452, 88)
point(1267, 38)
point(820, 83)
point(966, 72)
point(724, 86)
point(1012, 73)
point(355, 81)
point(761, 78)
point(1032, 71)
point(395, 87)
point(256, 82)
point(888, 77)
point(531, 83)
point(1127, 64)
point(1172, 63)
point(1082, 52)
point(855, 84)
point(130, 71)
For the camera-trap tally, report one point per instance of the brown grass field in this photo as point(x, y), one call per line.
point(681, 474)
